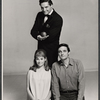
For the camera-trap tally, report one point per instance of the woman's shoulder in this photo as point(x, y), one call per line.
point(29, 71)
point(33, 68)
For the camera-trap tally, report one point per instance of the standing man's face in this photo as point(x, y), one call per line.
point(63, 53)
point(46, 8)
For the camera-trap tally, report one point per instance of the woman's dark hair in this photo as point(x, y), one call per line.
point(40, 52)
point(49, 1)
point(65, 45)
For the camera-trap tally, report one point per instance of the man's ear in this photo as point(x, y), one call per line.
point(68, 53)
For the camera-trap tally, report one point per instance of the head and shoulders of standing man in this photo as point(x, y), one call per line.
point(47, 8)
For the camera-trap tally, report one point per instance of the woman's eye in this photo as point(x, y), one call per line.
point(64, 51)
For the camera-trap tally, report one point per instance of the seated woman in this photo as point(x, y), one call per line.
point(39, 78)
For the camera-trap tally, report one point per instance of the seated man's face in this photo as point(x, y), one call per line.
point(46, 8)
point(63, 53)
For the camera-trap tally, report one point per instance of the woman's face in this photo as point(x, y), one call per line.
point(40, 61)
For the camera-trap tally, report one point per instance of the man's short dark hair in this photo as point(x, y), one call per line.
point(65, 45)
point(49, 1)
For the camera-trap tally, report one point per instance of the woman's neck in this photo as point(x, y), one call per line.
point(41, 67)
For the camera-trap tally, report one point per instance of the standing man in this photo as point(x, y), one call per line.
point(46, 30)
point(68, 80)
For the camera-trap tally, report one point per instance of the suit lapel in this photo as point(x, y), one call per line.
point(50, 17)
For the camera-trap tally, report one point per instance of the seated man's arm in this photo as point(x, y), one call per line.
point(81, 81)
point(55, 84)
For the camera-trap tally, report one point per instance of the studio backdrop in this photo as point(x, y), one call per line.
point(80, 31)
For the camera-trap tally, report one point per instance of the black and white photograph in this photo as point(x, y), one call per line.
point(50, 50)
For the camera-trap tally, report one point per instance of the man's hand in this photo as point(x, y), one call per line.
point(43, 38)
point(39, 37)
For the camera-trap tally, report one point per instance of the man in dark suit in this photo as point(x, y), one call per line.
point(46, 30)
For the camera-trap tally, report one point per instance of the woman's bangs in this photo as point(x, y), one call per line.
point(40, 54)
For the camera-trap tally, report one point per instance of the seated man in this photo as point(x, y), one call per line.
point(68, 79)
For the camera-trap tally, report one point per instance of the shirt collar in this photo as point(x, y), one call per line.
point(70, 62)
point(51, 12)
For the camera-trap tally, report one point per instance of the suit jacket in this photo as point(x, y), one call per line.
point(53, 28)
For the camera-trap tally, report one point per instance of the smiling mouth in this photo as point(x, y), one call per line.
point(62, 55)
point(45, 12)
